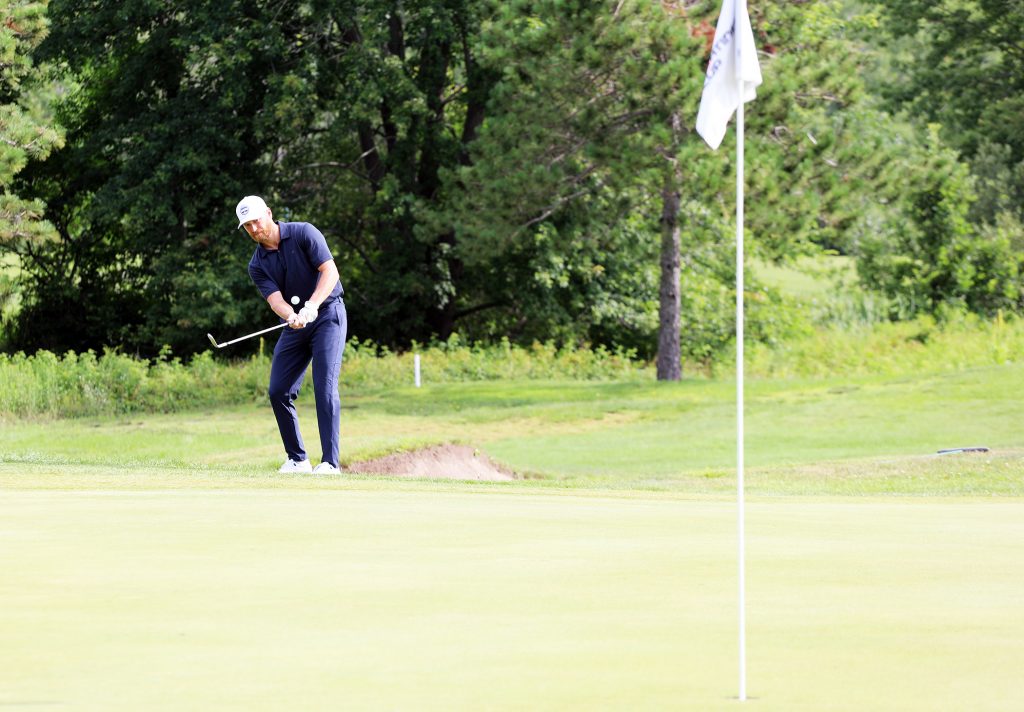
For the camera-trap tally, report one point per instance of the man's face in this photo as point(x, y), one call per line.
point(260, 228)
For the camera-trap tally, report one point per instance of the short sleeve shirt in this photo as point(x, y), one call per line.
point(292, 268)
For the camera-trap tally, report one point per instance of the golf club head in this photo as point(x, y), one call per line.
point(213, 340)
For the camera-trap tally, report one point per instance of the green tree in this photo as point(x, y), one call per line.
point(162, 140)
point(950, 236)
point(26, 128)
point(959, 64)
point(599, 100)
point(585, 113)
point(340, 113)
point(493, 168)
point(928, 256)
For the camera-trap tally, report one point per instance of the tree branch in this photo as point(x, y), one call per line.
point(550, 210)
point(362, 253)
point(478, 308)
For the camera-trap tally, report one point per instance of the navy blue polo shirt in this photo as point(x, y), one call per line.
point(292, 268)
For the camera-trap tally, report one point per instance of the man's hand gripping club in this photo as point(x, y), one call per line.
point(306, 315)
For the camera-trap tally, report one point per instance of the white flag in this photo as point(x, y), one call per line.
point(733, 72)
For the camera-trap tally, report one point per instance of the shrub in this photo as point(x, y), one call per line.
point(48, 385)
point(928, 257)
point(923, 345)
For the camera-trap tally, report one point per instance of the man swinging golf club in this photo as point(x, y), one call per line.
point(292, 258)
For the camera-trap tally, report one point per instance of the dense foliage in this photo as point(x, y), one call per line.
point(25, 126)
point(960, 65)
point(524, 169)
point(27, 131)
point(953, 237)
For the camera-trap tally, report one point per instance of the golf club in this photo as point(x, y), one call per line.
point(294, 300)
point(243, 338)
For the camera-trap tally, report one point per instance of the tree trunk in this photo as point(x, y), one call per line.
point(669, 361)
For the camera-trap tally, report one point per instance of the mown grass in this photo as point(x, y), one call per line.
point(809, 277)
point(862, 436)
point(438, 600)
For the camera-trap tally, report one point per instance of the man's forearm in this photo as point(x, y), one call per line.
point(279, 306)
point(325, 283)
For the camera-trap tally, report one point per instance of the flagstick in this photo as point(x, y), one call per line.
point(739, 399)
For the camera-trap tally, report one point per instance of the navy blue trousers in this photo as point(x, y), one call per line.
point(323, 343)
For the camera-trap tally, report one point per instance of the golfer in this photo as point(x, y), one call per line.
point(292, 265)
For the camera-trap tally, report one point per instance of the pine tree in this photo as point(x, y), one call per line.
point(26, 132)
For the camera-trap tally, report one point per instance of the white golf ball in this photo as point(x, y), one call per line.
point(295, 300)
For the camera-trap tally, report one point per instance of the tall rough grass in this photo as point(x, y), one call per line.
point(46, 385)
point(74, 385)
point(369, 366)
point(890, 348)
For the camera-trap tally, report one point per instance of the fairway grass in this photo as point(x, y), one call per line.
point(862, 436)
point(506, 600)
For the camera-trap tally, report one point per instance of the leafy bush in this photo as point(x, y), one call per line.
point(928, 257)
point(368, 365)
point(923, 345)
point(71, 385)
point(48, 385)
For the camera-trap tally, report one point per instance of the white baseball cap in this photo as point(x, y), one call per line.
point(251, 207)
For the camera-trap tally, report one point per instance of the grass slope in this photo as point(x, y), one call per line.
point(868, 435)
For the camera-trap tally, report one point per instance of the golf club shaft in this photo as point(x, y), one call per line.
point(255, 333)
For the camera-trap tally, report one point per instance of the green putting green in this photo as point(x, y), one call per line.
point(398, 596)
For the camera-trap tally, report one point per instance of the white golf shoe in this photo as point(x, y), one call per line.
point(290, 467)
point(326, 468)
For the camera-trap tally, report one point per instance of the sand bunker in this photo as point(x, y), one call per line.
point(458, 462)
